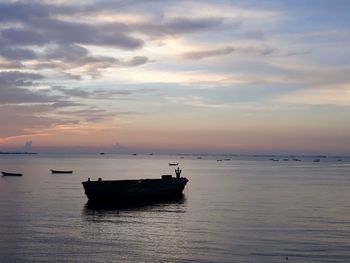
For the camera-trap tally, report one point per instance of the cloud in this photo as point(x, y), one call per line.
point(255, 34)
point(27, 119)
point(195, 101)
point(185, 25)
point(100, 93)
point(241, 50)
point(94, 115)
point(135, 61)
point(72, 57)
point(14, 88)
point(208, 53)
point(10, 64)
point(62, 37)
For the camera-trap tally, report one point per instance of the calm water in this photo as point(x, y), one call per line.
point(241, 210)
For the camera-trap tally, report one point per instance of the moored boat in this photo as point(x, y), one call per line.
point(11, 174)
point(61, 171)
point(141, 190)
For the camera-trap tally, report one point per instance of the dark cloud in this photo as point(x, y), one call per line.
point(297, 53)
point(208, 53)
point(263, 51)
point(66, 53)
point(73, 92)
point(12, 89)
point(23, 36)
point(189, 25)
point(65, 32)
point(16, 11)
point(135, 61)
point(177, 26)
point(69, 57)
point(62, 104)
point(46, 31)
point(15, 53)
point(255, 34)
point(36, 31)
point(99, 93)
point(15, 89)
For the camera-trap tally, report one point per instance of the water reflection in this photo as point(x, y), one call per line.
point(175, 205)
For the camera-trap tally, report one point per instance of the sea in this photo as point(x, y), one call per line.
point(238, 209)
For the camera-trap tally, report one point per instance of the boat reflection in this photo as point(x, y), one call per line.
point(175, 204)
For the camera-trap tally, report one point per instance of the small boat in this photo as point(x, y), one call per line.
point(11, 174)
point(227, 159)
point(102, 153)
point(173, 164)
point(60, 172)
point(317, 160)
point(141, 190)
point(219, 160)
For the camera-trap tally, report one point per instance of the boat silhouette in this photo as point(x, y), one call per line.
point(61, 171)
point(11, 174)
point(129, 191)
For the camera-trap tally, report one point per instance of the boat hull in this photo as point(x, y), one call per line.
point(121, 191)
point(61, 172)
point(11, 174)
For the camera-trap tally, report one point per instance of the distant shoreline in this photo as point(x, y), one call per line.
point(18, 153)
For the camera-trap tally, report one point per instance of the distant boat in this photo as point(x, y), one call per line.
point(134, 154)
point(219, 160)
point(227, 159)
point(173, 164)
point(124, 191)
point(11, 174)
point(60, 172)
point(102, 153)
point(317, 160)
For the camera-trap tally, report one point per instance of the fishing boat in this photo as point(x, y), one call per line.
point(173, 164)
point(11, 174)
point(60, 171)
point(141, 190)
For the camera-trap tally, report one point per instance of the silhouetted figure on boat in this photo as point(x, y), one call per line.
point(178, 172)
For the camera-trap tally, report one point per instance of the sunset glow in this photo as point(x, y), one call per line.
point(175, 76)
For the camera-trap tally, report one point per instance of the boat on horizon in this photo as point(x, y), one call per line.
point(11, 174)
point(130, 191)
point(61, 171)
point(173, 164)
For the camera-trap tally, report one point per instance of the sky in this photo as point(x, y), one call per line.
point(175, 76)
